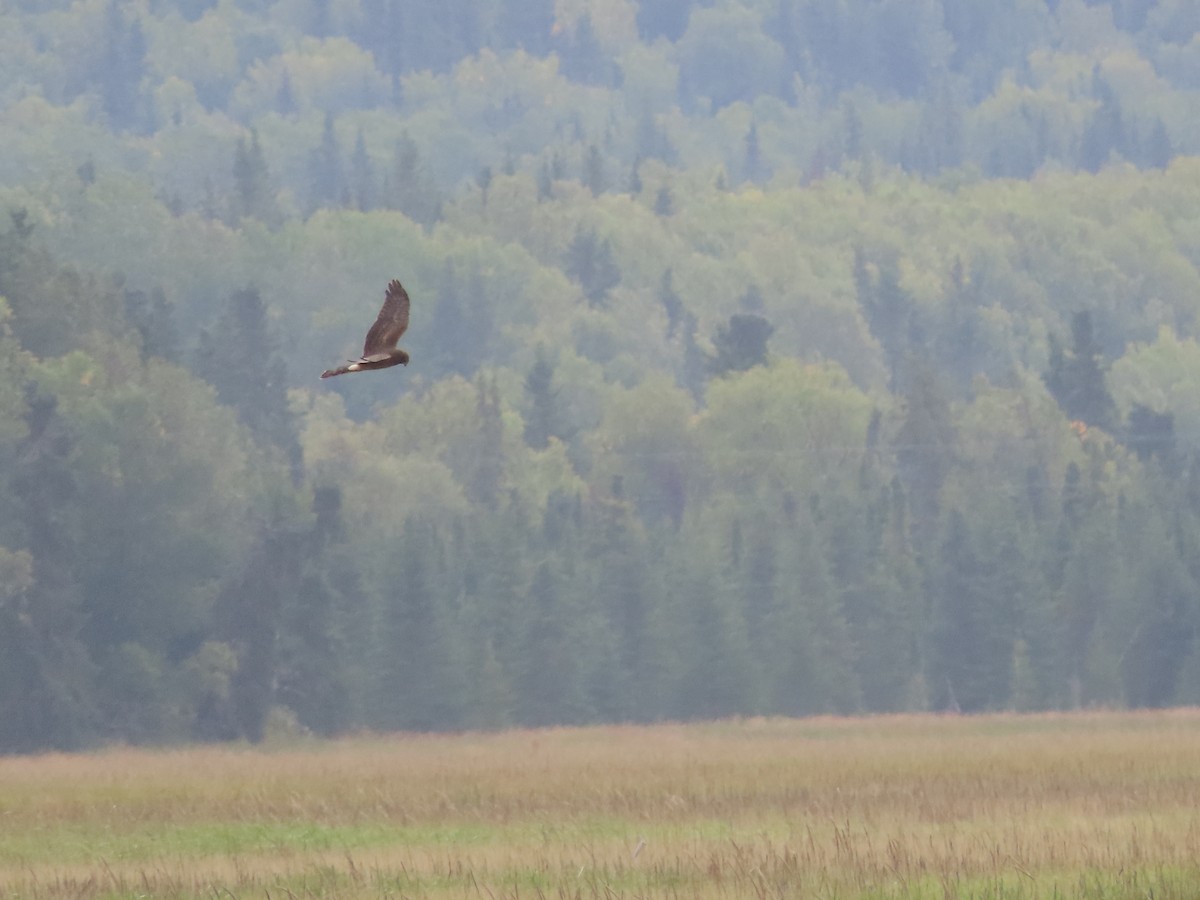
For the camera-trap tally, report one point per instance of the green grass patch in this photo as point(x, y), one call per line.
point(1096, 805)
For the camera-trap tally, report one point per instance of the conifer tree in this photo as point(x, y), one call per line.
point(239, 358)
point(253, 195)
point(753, 168)
point(1077, 378)
point(543, 418)
point(154, 320)
point(672, 304)
point(362, 176)
point(583, 59)
point(719, 675)
point(545, 182)
point(740, 344)
point(326, 180)
point(590, 263)
point(419, 682)
point(487, 471)
point(962, 675)
point(122, 67)
point(550, 678)
point(410, 189)
point(46, 692)
point(593, 171)
point(925, 448)
point(1104, 133)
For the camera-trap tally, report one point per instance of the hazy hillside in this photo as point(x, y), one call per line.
point(775, 356)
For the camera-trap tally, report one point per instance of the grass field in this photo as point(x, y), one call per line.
point(1086, 805)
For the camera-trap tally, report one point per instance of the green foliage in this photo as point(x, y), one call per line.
point(239, 359)
point(543, 420)
point(725, 57)
point(119, 72)
point(253, 195)
point(415, 645)
point(742, 344)
point(794, 357)
point(1076, 379)
point(590, 263)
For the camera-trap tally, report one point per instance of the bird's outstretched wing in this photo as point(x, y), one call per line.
point(391, 323)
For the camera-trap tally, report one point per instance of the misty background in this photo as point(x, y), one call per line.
point(769, 357)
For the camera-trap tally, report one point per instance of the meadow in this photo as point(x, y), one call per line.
point(1092, 804)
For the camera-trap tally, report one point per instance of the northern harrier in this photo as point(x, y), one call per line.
point(380, 350)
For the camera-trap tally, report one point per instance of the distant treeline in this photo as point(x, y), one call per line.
point(788, 358)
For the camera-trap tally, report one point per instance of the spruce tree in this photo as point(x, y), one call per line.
point(410, 188)
point(253, 195)
point(543, 418)
point(239, 358)
point(590, 263)
point(1077, 378)
point(362, 176)
point(326, 178)
point(419, 682)
point(740, 344)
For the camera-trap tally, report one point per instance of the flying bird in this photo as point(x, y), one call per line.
point(380, 350)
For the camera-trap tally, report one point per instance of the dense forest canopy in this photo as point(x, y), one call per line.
point(769, 356)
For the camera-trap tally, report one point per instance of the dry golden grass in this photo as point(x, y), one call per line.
point(1097, 804)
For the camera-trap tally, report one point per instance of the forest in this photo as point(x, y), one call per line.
point(769, 357)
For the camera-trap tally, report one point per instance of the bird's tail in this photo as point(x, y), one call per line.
point(340, 370)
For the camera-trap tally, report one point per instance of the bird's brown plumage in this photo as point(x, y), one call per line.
point(379, 349)
point(392, 321)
